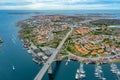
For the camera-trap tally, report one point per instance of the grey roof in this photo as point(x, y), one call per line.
point(47, 50)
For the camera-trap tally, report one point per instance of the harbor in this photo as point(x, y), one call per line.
point(80, 74)
point(98, 74)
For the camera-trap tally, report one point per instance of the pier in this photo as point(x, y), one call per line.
point(68, 59)
point(80, 74)
point(115, 70)
point(99, 73)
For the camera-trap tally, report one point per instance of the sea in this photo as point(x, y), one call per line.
point(12, 52)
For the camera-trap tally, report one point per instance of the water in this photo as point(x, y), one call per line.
point(13, 53)
point(115, 26)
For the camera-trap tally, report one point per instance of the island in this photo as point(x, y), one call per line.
point(92, 39)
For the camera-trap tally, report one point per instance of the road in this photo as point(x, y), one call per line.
point(51, 58)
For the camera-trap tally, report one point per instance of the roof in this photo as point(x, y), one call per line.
point(47, 50)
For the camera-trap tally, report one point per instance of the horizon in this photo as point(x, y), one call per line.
point(61, 10)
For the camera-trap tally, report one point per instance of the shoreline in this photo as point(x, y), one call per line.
point(79, 59)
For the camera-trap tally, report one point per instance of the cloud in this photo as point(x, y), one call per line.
point(59, 4)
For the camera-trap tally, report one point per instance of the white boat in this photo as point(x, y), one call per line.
point(103, 78)
point(29, 51)
point(118, 71)
point(78, 71)
point(98, 71)
point(113, 66)
point(114, 69)
point(96, 74)
point(81, 69)
point(66, 63)
point(76, 76)
point(13, 67)
point(82, 75)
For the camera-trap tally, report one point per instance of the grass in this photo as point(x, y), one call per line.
point(102, 54)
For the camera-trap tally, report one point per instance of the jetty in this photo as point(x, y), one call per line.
point(80, 74)
point(98, 72)
point(115, 70)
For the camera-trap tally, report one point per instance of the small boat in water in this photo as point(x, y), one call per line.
point(118, 72)
point(82, 72)
point(114, 68)
point(13, 67)
point(78, 71)
point(82, 75)
point(29, 51)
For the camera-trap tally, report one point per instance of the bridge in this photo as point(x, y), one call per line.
point(51, 58)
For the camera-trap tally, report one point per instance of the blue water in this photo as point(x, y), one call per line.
point(13, 53)
point(115, 26)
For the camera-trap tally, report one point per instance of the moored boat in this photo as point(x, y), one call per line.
point(77, 76)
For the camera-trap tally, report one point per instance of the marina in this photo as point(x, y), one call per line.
point(99, 73)
point(115, 70)
point(80, 74)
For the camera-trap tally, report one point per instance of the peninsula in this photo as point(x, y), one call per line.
point(91, 40)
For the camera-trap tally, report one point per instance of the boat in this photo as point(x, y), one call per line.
point(66, 63)
point(82, 72)
point(29, 51)
point(77, 76)
point(78, 71)
point(102, 78)
point(96, 74)
point(118, 72)
point(68, 60)
point(13, 67)
point(82, 75)
point(114, 68)
point(81, 69)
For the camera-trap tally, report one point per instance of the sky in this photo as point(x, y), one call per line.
point(59, 4)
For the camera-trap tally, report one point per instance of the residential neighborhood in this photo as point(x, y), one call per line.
point(88, 42)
